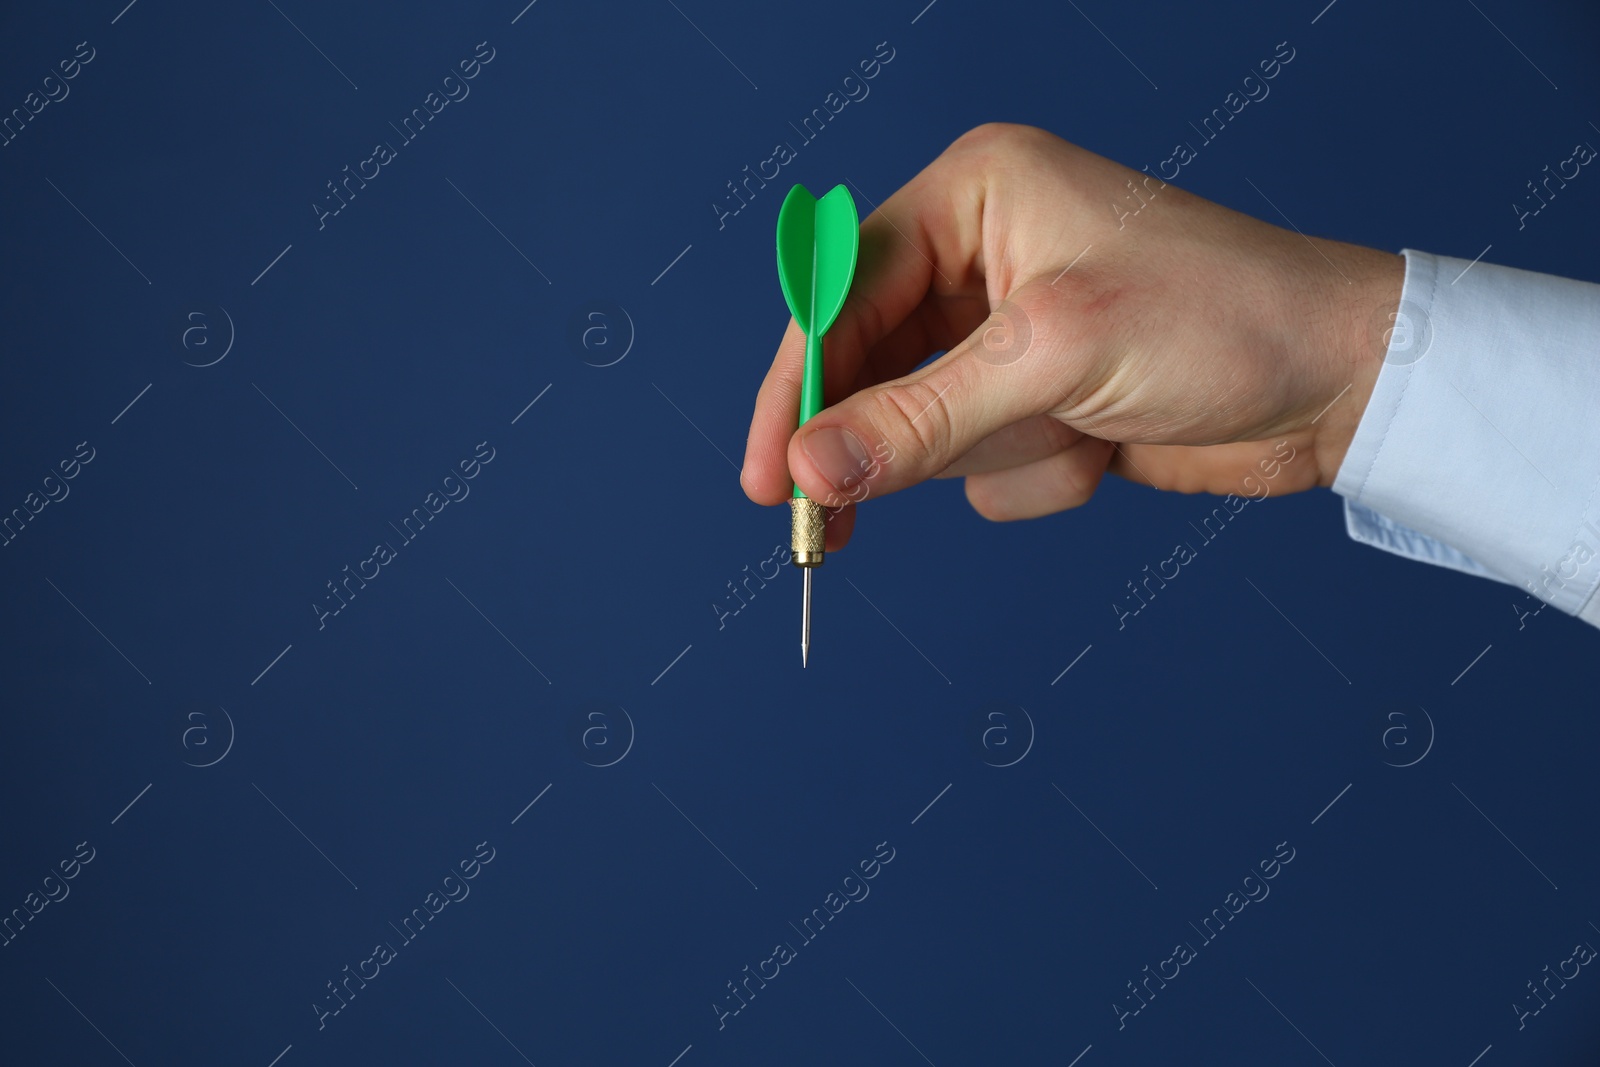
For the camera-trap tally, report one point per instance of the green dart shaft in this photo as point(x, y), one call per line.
point(810, 404)
point(817, 245)
point(811, 384)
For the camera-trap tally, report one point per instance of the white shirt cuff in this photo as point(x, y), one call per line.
point(1479, 449)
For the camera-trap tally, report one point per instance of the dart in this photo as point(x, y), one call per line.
point(817, 243)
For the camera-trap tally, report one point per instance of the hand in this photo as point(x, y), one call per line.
point(1178, 344)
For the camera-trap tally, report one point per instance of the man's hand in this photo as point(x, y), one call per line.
point(1173, 344)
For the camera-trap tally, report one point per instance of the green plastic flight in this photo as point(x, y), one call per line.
point(817, 245)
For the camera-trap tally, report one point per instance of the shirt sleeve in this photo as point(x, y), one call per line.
point(1479, 449)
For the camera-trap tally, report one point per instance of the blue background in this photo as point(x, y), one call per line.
point(296, 791)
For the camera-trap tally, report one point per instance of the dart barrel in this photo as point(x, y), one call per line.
point(807, 531)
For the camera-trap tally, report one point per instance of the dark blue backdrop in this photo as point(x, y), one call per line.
point(571, 797)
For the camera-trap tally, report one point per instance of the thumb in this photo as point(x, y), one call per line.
point(893, 435)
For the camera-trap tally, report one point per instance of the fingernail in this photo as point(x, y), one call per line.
point(838, 456)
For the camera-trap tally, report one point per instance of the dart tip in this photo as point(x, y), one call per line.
point(805, 621)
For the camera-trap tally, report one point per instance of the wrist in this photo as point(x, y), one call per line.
point(1363, 319)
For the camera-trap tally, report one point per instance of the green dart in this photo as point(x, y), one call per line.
point(817, 241)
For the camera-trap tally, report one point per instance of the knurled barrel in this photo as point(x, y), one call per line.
point(807, 531)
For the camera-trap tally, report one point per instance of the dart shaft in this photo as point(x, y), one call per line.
point(810, 386)
point(807, 529)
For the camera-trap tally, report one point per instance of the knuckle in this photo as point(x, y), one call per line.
point(990, 135)
point(916, 416)
point(982, 151)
